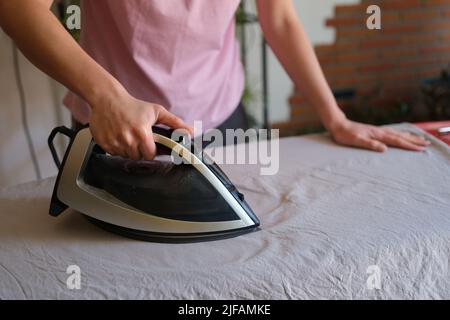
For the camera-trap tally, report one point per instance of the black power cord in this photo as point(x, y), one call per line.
point(23, 107)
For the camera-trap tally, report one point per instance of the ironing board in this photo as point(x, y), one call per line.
point(336, 223)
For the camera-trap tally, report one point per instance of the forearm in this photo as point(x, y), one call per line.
point(288, 40)
point(45, 42)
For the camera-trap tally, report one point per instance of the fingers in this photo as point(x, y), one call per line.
point(128, 133)
point(369, 143)
point(411, 138)
point(402, 140)
point(128, 146)
point(139, 145)
point(171, 120)
point(105, 141)
point(147, 146)
point(377, 139)
point(124, 146)
point(133, 153)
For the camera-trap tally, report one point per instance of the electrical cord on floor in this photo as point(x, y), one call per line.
point(23, 107)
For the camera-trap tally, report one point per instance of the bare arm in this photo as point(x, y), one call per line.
point(119, 123)
point(45, 42)
point(291, 45)
point(288, 40)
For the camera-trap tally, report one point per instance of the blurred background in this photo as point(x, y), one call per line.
point(392, 75)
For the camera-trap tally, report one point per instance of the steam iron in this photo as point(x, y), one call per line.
point(149, 200)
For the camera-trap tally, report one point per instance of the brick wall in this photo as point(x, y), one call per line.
point(413, 45)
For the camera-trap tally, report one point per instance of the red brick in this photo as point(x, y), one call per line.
point(346, 9)
point(360, 32)
point(366, 91)
point(439, 49)
point(431, 3)
point(436, 66)
point(440, 26)
point(367, 81)
point(401, 4)
point(400, 29)
point(418, 39)
point(343, 46)
point(410, 89)
point(399, 52)
point(380, 43)
point(414, 44)
point(376, 67)
point(389, 18)
point(418, 62)
point(431, 71)
point(355, 81)
point(357, 56)
point(323, 50)
point(339, 70)
point(444, 37)
point(421, 15)
point(343, 21)
point(395, 75)
point(324, 61)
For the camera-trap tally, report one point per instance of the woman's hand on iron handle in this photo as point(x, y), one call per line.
point(122, 125)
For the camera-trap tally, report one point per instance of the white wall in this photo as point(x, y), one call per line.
point(44, 112)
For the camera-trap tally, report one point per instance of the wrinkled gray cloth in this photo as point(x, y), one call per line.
point(327, 216)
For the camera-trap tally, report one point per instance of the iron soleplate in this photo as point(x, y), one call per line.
point(170, 237)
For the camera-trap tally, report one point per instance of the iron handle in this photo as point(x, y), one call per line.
point(62, 130)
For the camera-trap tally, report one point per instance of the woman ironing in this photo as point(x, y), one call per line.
point(141, 63)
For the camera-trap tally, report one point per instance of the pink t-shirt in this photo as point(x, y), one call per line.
point(181, 54)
